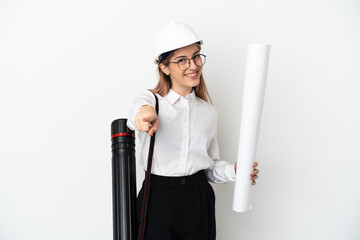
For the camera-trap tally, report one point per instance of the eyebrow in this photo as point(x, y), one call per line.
point(185, 56)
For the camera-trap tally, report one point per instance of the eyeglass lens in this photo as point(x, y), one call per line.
point(199, 60)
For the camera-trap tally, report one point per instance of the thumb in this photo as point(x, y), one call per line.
point(154, 127)
point(146, 119)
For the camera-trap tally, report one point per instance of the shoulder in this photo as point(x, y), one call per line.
point(145, 97)
point(148, 93)
point(145, 92)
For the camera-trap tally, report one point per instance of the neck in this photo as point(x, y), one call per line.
point(182, 91)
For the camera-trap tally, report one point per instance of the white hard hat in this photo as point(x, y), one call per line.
point(174, 35)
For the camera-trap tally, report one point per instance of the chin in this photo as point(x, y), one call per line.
point(195, 83)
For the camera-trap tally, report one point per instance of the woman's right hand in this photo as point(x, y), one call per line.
point(146, 120)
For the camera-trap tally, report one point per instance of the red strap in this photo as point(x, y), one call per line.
point(147, 181)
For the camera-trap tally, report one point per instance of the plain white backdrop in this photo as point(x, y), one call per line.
point(68, 68)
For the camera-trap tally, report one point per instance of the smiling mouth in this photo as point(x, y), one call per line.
point(191, 74)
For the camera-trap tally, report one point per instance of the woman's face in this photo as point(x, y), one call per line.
point(183, 81)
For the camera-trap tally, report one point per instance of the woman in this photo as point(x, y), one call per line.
point(186, 154)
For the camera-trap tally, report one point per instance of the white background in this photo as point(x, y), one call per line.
point(68, 68)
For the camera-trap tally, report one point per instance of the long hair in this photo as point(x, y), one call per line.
point(164, 84)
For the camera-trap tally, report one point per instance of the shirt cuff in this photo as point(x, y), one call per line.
point(221, 172)
point(145, 97)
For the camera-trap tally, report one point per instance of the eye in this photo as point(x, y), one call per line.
point(196, 57)
point(182, 60)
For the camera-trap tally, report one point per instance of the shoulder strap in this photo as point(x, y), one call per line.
point(147, 180)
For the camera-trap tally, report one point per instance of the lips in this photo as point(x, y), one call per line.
point(191, 75)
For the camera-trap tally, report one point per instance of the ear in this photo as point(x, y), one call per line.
point(164, 69)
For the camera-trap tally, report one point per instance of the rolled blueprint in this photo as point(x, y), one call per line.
point(253, 98)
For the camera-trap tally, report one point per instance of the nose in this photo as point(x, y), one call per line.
point(192, 64)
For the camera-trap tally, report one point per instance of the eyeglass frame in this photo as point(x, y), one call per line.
point(188, 61)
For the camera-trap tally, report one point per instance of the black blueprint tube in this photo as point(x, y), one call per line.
point(123, 181)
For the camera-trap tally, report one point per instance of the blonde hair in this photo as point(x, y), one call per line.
point(164, 84)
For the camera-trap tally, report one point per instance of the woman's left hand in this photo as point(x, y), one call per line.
point(253, 174)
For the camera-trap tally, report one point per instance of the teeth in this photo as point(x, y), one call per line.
point(191, 75)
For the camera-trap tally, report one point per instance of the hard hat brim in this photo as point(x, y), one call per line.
point(170, 49)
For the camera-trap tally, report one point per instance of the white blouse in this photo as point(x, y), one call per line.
point(186, 139)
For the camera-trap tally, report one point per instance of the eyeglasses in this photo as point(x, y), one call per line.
point(184, 63)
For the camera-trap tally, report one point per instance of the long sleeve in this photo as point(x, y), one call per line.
point(145, 97)
point(221, 171)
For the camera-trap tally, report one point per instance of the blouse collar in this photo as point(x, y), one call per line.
point(172, 96)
